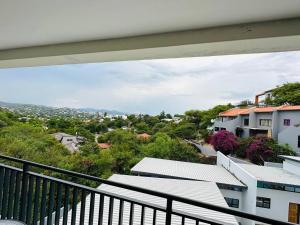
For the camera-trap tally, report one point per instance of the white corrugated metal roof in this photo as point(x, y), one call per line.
point(196, 190)
point(187, 170)
point(272, 174)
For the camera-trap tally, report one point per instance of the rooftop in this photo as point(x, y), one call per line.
point(245, 111)
point(196, 190)
point(186, 170)
point(272, 174)
point(293, 158)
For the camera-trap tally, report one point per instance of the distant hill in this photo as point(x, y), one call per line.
point(46, 111)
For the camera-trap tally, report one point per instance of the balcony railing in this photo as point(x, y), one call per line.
point(37, 199)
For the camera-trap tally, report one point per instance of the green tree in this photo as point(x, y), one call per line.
point(288, 93)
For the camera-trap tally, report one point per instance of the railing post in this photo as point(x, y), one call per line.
point(169, 211)
point(24, 192)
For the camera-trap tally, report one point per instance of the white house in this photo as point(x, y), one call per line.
point(71, 142)
point(281, 123)
point(267, 191)
point(196, 190)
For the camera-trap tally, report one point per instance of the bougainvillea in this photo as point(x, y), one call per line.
point(224, 141)
point(259, 151)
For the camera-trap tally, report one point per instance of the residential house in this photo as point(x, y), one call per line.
point(196, 190)
point(282, 123)
point(266, 191)
point(71, 142)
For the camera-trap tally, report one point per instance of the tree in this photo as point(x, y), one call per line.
point(162, 115)
point(186, 131)
point(259, 151)
point(288, 93)
point(224, 141)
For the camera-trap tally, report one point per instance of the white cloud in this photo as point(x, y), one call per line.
point(173, 85)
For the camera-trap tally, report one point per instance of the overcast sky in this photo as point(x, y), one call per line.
point(172, 85)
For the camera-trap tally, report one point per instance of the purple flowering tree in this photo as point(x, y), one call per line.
point(259, 151)
point(224, 141)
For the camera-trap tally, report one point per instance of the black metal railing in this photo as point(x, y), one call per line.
point(38, 199)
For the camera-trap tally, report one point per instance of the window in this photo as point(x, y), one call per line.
point(223, 128)
point(298, 141)
point(246, 122)
point(265, 122)
point(217, 128)
point(263, 202)
point(232, 202)
point(286, 122)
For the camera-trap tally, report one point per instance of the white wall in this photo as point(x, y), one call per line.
point(291, 166)
point(260, 116)
point(294, 116)
point(248, 196)
point(290, 136)
point(279, 203)
point(230, 125)
point(233, 194)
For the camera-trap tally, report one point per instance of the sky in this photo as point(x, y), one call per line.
point(151, 86)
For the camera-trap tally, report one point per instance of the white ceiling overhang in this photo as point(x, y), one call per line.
point(34, 32)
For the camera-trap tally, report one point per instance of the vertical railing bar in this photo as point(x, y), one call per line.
point(24, 192)
point(43, 202)
point(100, 219)
point(66, 205)
point(110, 210)
point(5, 193)
point(143, 215)
point(11, 194)
point(131, 214)
point(154, 217)
point(92, 208)
point(51, 203)
point(2, 171)
point(183, 220)
point(36, 200)
point(17, 196)
point(121, 208)
point(74, 205)
point(169, 211)
point(82, 207)
point(29, 205)
point(58, 205)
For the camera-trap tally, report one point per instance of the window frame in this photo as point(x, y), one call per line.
point(286, 122)
point(263, 202)
point(246, 124)
point(268, 121)
point(232, 202)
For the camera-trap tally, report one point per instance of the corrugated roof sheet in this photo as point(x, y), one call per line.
point(196, 190)
point(186, 170)
point(272, 174)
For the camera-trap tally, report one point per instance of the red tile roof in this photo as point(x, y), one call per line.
point(235, 112)
point(144, 136)
point(104, 145)
point(289, 107)
point(245, 111)
point(265, 109)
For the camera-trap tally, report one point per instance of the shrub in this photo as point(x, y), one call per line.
point(259, 151)
point(224, 141)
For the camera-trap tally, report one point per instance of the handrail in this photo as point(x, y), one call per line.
point(170, 197)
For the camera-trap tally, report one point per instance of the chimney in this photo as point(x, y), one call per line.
point(256, 99)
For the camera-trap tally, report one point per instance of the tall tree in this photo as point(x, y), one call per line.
point(288, 93)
